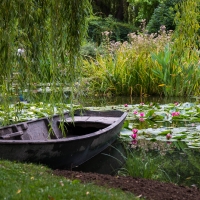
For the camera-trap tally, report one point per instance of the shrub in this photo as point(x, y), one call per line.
point(97, 25)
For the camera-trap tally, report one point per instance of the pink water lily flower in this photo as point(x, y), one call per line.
point(176, 103)
point(134, 142)
point(126, 105)
point(135, 112)
point(175, 114)
point(141, 119)
point(135, 130)
point(168, 136)
point(142, 114)
point(169, 143)
point(141, 103)
point(134, 135)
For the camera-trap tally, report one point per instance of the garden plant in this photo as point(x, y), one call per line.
point(46, 59)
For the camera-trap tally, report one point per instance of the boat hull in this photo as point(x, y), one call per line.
point(58, 151)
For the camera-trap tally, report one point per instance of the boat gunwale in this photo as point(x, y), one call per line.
point(65, 139)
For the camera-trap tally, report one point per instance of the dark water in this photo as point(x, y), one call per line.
point(107, 162)
point(120, 100)
point(174, 161)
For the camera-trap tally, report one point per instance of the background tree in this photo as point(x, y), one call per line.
point(117, 8)
point(142, 9)
point(164, 14)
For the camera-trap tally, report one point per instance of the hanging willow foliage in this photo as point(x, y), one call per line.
point(39, 46)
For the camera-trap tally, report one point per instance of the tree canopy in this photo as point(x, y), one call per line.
point(40, 43)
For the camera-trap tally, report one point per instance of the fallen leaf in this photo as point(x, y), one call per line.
point(50, 197)
point(18, 191)
point(61, 183)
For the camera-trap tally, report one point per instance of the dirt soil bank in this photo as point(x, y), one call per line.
point(149, 189)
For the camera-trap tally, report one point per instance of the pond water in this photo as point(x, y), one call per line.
point(121, 100)
point(170, 161)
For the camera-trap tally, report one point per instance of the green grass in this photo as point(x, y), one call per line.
point(29, 181)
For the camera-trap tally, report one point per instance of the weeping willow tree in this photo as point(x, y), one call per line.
point(39, 45)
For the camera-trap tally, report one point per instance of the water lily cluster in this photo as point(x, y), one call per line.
point(161, 122)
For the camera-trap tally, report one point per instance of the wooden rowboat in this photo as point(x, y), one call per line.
point(41, 141)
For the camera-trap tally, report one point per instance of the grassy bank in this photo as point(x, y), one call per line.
point(28, 181)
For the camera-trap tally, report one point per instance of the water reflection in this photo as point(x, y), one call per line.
point(174, 162)
point(107, 162)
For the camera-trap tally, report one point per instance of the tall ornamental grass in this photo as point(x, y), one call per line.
point(126, 68)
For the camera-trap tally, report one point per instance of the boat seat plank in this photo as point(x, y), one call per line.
point(8, 136)
point(94, 119)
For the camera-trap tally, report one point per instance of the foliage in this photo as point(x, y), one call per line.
point(142, 9)
point(98, 25)
point(186, 35)
point(117, 8)
point(175, 74)
point(166, 63)
point(28, 181)
point(164, 14)
point(40, 45)
point(177, 65)
point(125, 68)
point(140, 165)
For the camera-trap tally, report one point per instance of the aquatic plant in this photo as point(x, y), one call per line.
point(158, 122)
point(134, 135)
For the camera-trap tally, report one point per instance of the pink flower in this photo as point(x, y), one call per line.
point(168, 136)
point(176, 103)
point(134, 142)
point(126, 105)
point(141, 114)
point(169, 143)
point(134, 135)
point(135, 130)
point(141, 103)
point(141, 119)
point(135, 112)
point(175, 114)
